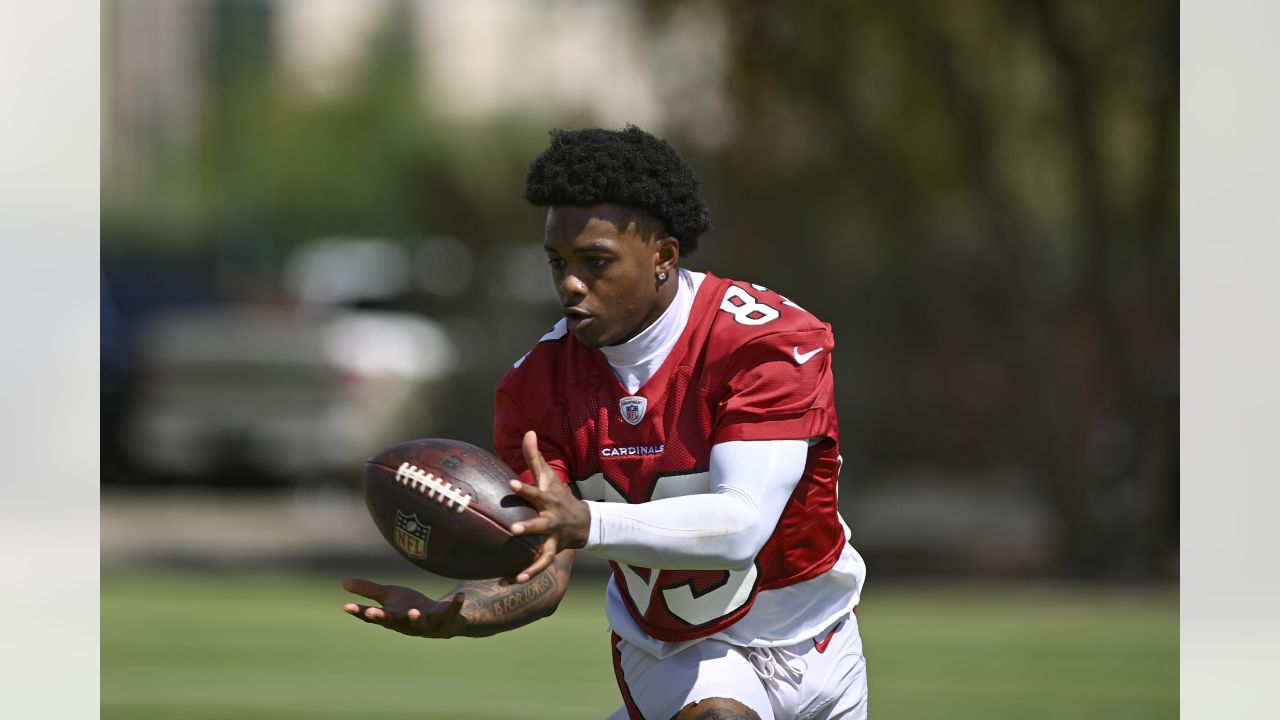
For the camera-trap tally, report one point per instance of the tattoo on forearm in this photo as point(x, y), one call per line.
point(492, 608)
point(522, 597)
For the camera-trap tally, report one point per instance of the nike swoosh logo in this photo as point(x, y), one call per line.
point(822, 646)
point(802, 358)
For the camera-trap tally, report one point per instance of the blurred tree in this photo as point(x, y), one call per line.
point(982, 197)
point(286, 167)
point(280, 166)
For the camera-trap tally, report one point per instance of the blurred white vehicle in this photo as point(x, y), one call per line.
point(298, 393)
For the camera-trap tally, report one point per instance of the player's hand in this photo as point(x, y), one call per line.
point(562, 518)
point(406, 610)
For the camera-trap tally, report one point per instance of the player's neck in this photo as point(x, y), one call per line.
point(667, 293)
point(635, 360)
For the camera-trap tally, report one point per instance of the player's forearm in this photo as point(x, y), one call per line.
point(489, 607)
point(721, 530)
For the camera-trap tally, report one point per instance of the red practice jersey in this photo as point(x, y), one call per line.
point(749, 365)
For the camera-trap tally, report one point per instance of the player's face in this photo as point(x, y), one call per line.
point(606, 272)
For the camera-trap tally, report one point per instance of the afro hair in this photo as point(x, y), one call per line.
point(627, 167)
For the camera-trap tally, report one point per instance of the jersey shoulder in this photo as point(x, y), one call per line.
point(751, 313)
point(768, 363)
point(535, 367)
point(541, 376)
point(550, 346)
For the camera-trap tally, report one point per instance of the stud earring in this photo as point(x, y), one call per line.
point(662, 277)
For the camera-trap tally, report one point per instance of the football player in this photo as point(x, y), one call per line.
point(683, 427)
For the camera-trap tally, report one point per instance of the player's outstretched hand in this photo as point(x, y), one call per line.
point(406, 610)
point(562, 518)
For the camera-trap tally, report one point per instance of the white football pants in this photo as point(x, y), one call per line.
point(819, 678)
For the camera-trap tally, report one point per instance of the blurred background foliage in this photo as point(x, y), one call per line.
point(980, 197)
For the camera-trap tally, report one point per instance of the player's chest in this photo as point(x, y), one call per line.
point(627, 443)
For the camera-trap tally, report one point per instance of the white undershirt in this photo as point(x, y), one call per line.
point(636, 360)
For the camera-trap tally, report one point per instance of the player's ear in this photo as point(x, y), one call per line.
point(668, 254)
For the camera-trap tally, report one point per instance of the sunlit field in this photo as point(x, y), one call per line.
point(272, 645)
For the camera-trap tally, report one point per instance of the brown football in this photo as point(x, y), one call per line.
point(446, 506)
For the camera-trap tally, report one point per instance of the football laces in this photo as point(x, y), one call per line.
point(435, 488)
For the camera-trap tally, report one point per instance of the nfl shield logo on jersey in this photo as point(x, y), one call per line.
point(412, 535)
point(633, 408)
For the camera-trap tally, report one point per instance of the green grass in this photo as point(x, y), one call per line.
point(995, 653)
point(259, 646)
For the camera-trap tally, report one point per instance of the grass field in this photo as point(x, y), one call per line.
point(256, 646)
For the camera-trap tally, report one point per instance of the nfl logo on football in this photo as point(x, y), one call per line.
point(633, 409)
point(411, 535)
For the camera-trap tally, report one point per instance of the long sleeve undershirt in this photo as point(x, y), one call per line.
point(724, 528)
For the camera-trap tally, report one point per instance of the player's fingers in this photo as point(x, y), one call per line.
point(365, 588)
point(542, 562)
point(532, 493)
point(357, 611)
point(452, 609)
point(438, 615)
point(533, 458)
point(541, 525)
point(532, 455)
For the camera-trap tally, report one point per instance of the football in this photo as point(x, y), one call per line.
point(446, 506)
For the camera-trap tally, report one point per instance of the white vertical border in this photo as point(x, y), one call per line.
point(48, 359)
point(1230, 260)
point(1230, 272)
